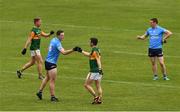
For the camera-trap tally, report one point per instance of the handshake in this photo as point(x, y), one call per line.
point(78, 49)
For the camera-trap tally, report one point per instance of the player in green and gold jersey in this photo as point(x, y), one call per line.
point(95, 73)
point(34, 39)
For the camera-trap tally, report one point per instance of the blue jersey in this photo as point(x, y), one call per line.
point(155, 37)
point(54, 50)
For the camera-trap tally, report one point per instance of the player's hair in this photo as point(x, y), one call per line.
point(94, 40)
point(154, 20)
point(59, 32)
point(36, 19)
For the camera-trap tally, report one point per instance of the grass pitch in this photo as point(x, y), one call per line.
point(127, 80)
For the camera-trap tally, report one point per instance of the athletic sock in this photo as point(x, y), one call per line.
point(164, 75)
point(40, 91)
point(52, 96)
point(155, 75)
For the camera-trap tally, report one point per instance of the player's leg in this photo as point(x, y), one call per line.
point(43, 85)
point(99, 89)
point(52, 76)
point(154, 67)
point(26, 66)
point(88, 86)
point(39, 62)
point(163, 67)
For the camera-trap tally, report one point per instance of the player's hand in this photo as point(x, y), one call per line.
point(23, 51)
point(139, 37)
point(77, 49)
point(51, 32)
point(101, 72)
point(164, 41)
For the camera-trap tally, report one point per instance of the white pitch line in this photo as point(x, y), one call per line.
point(78, 26)
point(112, 81)
point(58, 24)
point(116, 52)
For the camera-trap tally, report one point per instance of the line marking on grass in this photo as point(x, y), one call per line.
point(116, 52)
point(111, 81)
point(78, 26)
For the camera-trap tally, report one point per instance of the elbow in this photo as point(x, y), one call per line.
point(170, 33)
point(64, 53)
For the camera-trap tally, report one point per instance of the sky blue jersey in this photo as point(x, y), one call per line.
point(155, 37)
point(54, 50)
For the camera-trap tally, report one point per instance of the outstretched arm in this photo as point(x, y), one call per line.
point(66, 52)
point(86, 53)
point(142, 37)
point(78, 49)
point(47, 34)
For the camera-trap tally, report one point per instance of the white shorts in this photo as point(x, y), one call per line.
point(35, 52)
point(95, 76)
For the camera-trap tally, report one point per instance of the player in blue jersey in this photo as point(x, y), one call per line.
point(157, 36)
point(55, 49)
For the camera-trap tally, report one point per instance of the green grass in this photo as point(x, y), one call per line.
point(127, 82)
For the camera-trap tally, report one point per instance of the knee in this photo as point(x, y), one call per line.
point(33, 62)
point(162, 64)
point(153, 64)
point(40, 62)
point(86, 85)
point(52, 80)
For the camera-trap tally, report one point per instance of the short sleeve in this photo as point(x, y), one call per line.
point(163, 30)
point(147, 33)
point(95, 54)
point(59, 46)
point(31, 35)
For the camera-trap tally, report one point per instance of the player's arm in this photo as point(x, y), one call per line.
point(167, 34)
point(28, 41)
point(47, 34)
point(66, 52)
point(81, 51)
point(98, 59)
point(86, 53)
point(142, 37)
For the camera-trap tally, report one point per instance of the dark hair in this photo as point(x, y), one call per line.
point(36, 19)
point(154, 20)
point(94, 40)
point(59, 32)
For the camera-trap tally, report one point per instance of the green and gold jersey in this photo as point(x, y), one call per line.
point(35, 38)
point(95, 53)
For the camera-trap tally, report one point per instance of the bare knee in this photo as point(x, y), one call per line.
point(153, 63)
point(32, 62)
point(162, 64)
point(86, 85)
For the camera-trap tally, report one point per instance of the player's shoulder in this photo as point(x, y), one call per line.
point(96, 49)
point(159, 27)
point(34, 29)
point(150, 28)
point(55, 40)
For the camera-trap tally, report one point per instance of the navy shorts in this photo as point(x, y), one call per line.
point(49, 66)
point(155, 52)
